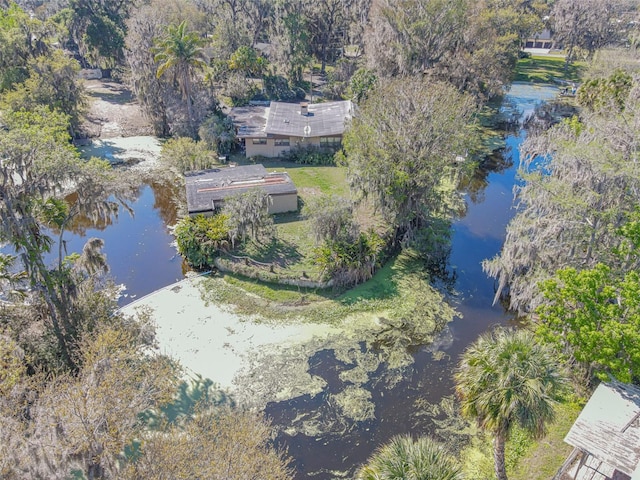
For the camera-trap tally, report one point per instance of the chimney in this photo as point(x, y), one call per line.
point(304, 108)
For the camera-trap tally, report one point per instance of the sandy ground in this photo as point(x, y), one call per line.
point(140, 152)
point(113, 111)
point(116, 128)
point(209, 340)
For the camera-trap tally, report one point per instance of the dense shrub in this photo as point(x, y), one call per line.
point(218, 133)
point(310, 156)
point(277, 88)
point(350, 261)
point(201, 238)
point(183, 154)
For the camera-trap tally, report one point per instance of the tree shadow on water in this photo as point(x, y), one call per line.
point(191, 394)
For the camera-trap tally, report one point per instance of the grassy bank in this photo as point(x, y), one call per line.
point(542, 458)
point(547, 69)
point(527, 459)
point(292, 249)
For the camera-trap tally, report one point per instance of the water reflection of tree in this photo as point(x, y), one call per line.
point(168, 197)
point(80, 223)
point(475, 183)
point(549, 113)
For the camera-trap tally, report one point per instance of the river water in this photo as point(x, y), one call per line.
point(141, 256)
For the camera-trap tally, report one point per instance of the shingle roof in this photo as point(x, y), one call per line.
point(323, 119)
point(209, 187)
point(608, 427)
point(285, 119)
point(250, 121)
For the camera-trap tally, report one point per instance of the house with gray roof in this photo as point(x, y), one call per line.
point(272, 130)
point(207, 189)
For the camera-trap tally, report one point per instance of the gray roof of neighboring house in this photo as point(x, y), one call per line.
point(608, 428)
point(209, 187)
point(286, 119)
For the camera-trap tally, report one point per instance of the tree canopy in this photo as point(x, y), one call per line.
point(593, 315)
point(404, 458)
point(406, 148)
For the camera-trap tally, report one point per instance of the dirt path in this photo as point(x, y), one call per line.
point(113, 111)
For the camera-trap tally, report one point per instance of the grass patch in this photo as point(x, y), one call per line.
point(526, 459)
point(544, 457)
point(282, 294)
point(547, 69)
point(329, 180)
point(293, 248)
point(397, 292)
point(383, 285)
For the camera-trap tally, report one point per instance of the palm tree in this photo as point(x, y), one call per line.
point(405, 459)
point(180, 52)
point(507, 378)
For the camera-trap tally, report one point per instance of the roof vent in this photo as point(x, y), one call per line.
point(304, 108)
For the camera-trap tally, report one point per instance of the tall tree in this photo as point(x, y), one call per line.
point(145, 24)
point(181, 54)
point(593, 315)
point(589, 24)
point(291, 38)
point(38, 171)
point(404, 458)
point(258, 14)
point(483, 60)
point(80, 425)
point(214, 443)
point(99, 29)
point(21, 38)
point(53, 83)
point(327, 24)
point(409, 36)
point(405, 149)
point(505, 379)
point(247, 215)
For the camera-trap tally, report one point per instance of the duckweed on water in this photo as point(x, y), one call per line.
point(355, 403)
point(369, 337)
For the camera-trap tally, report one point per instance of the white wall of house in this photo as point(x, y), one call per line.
point(283, 203)
point(279, 204)
point(275, 147)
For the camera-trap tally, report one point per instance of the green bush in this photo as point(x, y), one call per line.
point(277, 88)
point(201, 238)
point(351, 261)
point(310, 156)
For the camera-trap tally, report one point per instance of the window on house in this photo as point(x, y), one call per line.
point(259, 141)
point(330, 142)
point(282, 142)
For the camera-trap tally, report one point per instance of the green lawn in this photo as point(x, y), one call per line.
point(325, 179)
point(547, 69)
point(526, 459)
point(293, 247)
